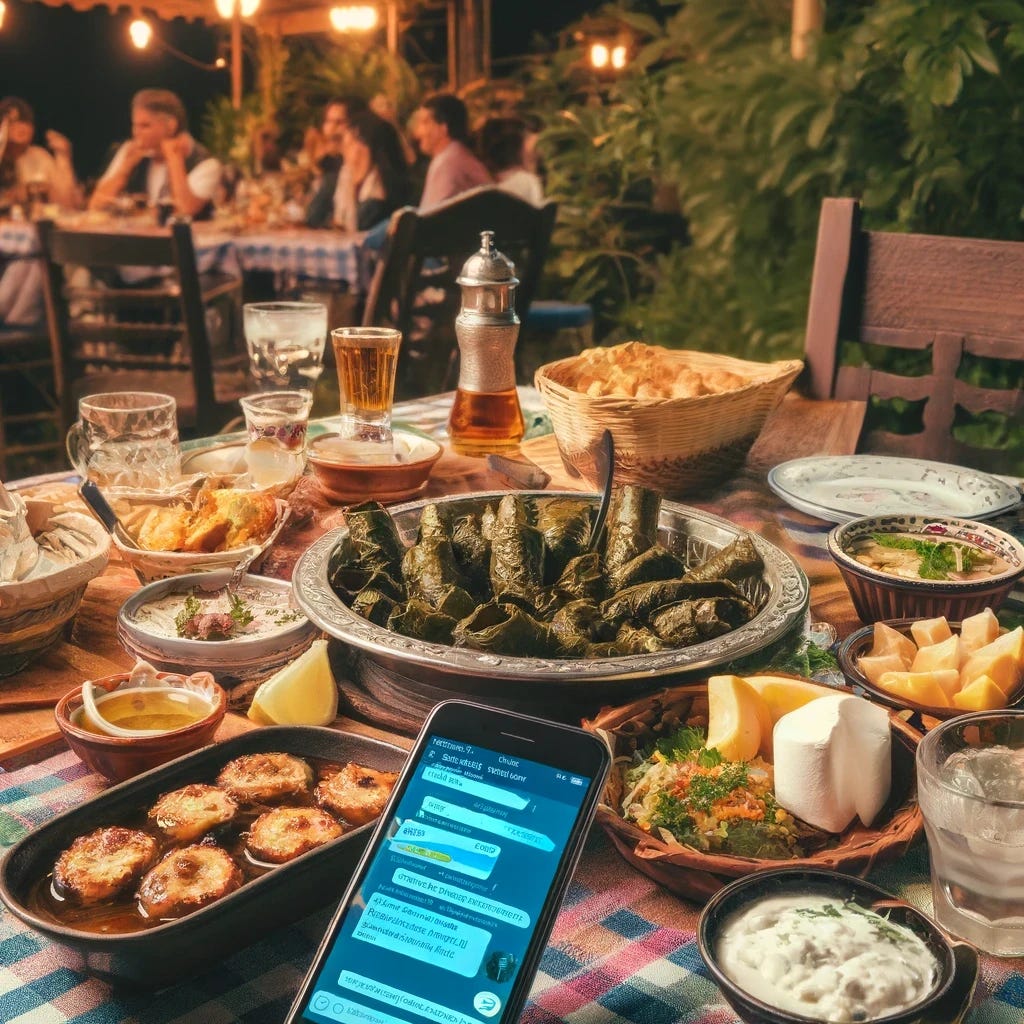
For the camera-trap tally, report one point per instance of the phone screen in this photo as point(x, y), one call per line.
point(439, 929)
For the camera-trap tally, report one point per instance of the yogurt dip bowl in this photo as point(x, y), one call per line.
point(277, 633)
point(804, 889)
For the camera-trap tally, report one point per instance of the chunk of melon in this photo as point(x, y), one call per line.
point(980, 694)
point(1000, 660)
point(930, 631)
point(929, 688)
point(874, 667)
point(976, 631)
point(886, 640)
point(938, 657)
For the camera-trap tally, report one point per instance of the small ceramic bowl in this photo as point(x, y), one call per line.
point(858, 643)
point(247, 657)
point(346, 473)
point(117, 757)
point(801, 882)
point(880, 595)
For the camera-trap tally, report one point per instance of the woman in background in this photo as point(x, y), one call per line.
point(24, 167)
point(501, 144)
point(374, 177)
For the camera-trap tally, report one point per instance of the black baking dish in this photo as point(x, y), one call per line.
point(168, 952)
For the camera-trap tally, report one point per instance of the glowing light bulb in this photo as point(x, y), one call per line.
point(357, 18)
point(619, 57)
point(3, 11)
point(599, 55)
point(226, 8)
point(141, 32)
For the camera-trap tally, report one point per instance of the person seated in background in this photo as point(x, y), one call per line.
point(327, 157)
point(382, 106)
point(25, 167)
point(442, 132)
point(161, 160)
point(374, 178)
point(501, 145)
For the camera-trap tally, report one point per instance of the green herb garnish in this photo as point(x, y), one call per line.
point(881, 927)
point(680, 744)
point(705, 790)
point(938, 558)
point(239, 610)
point(189, 610)
point(671, 814)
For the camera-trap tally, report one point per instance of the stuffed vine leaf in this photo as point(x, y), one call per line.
point(517, 553)
point(640, 601)
point(429, 571)
point(565, 524)
point(739, 561)
point(374, 539)
point(420, 621)
point(632, 526)
point(656, 563)
point(506, 629)
point(690, 622)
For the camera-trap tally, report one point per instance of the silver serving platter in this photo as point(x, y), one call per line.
point(686, 531)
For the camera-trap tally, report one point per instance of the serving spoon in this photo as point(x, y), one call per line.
point(604, 462)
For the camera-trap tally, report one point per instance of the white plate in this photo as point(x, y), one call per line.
point(843, 487)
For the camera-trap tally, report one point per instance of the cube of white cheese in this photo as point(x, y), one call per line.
point(833, 761)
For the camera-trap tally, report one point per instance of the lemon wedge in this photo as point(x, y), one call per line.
point(301, 693)
point(739, 724)
point(783, 694)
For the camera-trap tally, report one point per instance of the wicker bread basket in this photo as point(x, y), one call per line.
point(673, 445)
point(695, 875)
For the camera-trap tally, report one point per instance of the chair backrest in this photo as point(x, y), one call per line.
point(940, 326)
point(99, 324)
point(414, 287)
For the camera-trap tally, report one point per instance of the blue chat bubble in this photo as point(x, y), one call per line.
point(402, 1000)
point(445, 849)
point(423, 935)
point(487, 823)
point(461, 898)
point(492, 794)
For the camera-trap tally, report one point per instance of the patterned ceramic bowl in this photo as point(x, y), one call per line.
point(882, 595)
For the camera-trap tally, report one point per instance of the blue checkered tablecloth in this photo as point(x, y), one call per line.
point(622, 950)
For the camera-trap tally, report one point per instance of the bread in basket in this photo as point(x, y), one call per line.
point(681, 420)
point(696, 875)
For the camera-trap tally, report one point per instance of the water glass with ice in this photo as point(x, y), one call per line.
point(970, 784)
point(286, 342)
point(276, 422)
point(126, 439)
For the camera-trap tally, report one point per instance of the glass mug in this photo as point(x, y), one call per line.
point(126, 439)
point(286, 342)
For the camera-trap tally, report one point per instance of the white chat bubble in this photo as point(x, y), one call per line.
point(461, 898)
point(488, 823)
point(423, 935)
point(492, 794)
point(402, 1000)
point(445, 849)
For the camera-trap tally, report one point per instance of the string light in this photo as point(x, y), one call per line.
point(357, 18)
point(599, 55)
point(226, 8)
point(141, 33)
point(3, 11)
point(618, 57)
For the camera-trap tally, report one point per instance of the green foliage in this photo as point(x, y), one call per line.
point(913, 108)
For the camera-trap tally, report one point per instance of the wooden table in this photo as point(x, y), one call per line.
point(798, 428)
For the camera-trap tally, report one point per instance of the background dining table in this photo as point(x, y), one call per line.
point(622, 949)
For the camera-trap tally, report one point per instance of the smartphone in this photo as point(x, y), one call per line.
point(450, 908)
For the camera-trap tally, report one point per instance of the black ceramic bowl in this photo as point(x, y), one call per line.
point(798, 881)
point(172, 950)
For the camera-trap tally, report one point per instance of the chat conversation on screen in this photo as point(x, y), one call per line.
point(488, 823)
point(445, 849)
point(453, 780)
point(461, 898)
point(423, 935)
point(402, 1000)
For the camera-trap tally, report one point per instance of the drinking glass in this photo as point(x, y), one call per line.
point(367, 358)
point(286, 342)
point(276, 422)
point(126, 439)
point(970, 786)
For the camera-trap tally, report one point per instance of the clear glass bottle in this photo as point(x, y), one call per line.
point(485, 415)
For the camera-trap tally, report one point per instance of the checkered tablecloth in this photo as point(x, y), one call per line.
point(325, 255)
point(622, 949)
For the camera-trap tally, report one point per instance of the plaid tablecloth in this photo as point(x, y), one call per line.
point(622, 949)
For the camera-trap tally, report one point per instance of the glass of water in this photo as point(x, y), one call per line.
point(276, 422)
point(970, 785)
point(286, 343)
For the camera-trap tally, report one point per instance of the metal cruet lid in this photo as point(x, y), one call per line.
point(488, 266)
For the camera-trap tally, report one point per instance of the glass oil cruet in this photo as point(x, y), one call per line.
point(485, 415)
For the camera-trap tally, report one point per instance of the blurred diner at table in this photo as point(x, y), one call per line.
point(31, 173)
point(442, 132)
point(161, 161)
point(502, 142)
point(323, 150)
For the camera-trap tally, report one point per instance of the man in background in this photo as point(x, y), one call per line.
point(442, 132)
point(161, 160)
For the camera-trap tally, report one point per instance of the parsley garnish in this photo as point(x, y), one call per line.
point(705, 790)
point(191, 608)
point(938, 558)
point(882, 928)
point(680, 744)
point(239, 610)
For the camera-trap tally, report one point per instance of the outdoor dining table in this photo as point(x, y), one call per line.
point(622, 948)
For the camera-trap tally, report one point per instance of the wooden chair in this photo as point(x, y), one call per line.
point(153, 336)
point(414, 287)
point(939, 323)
